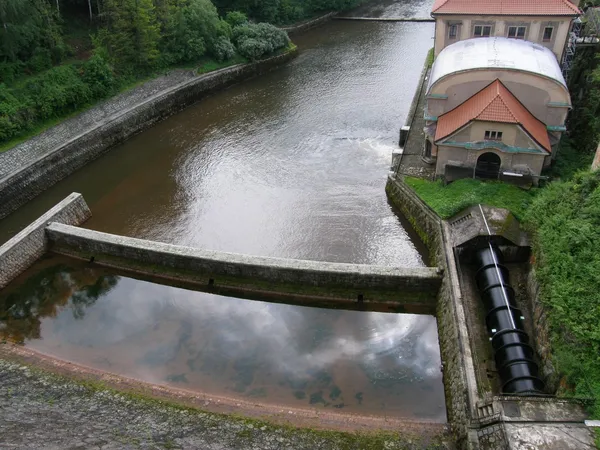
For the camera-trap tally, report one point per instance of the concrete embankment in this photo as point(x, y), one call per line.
point(25, 248)
point(293, 281)
point(32, 167)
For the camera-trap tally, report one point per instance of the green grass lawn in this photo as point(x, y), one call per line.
point(448, 200)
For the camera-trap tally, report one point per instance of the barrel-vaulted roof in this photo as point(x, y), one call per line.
point(494, 103)
point(506, 7)
point(496, 53)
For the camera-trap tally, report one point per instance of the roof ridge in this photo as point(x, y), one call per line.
point(495, 84)
point(506, 7)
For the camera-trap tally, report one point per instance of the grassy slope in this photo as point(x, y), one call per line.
point(448, 200)
point(565, 222)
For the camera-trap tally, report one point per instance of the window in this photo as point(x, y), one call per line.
point(547, 34)
point(482, 30)
point(517, 32)
point(452, 31)
point(493, 135)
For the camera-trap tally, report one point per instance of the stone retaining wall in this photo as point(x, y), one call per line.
point(542, 333)
point(416, 286)
point(25, 248)
point(31, 179)
point(459, 378)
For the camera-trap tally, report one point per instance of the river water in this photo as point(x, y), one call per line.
point(291, 164)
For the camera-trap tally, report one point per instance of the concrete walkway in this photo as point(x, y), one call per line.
point(411, 163)
point(29, 151)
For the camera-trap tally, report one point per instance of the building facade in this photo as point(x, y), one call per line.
point(546, 22)
point(495, 108)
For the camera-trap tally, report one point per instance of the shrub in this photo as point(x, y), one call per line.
point(568, 269)
point(236, 18)
point(98, 75)
point(223, 49)
point(40, 61)
point(58, 91)
point(257, 40)
point(10, 71)
point(13, 114)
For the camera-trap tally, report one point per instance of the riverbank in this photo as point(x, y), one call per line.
point(33, 166)
point(97, 408)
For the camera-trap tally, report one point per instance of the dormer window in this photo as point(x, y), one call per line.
point(493, 135)
point(482, 31)
point(517, 32)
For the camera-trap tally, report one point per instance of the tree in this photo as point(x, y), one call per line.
point(27, 25)
point(131, 33)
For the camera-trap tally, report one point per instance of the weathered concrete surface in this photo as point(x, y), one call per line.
point(25, 248)
point(460, 385)
point(334, 280)
point(538, 436)
point(43, 410)
point(411, 163)
point(32, 167)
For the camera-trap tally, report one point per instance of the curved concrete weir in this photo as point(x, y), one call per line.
point(354, 285)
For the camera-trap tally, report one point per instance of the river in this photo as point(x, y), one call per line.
point(292, 164)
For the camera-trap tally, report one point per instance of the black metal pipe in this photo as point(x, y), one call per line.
point(512, 352)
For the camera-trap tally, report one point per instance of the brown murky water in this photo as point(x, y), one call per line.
point(368, 363)
point(291, 164)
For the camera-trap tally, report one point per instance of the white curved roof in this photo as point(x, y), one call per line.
point(496, 53)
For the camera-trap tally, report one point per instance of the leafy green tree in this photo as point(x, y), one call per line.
point(236, 18)
point(196, 29)
point(26, 25)
point(131, 34)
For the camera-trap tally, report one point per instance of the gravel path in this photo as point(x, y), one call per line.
point(46, 411)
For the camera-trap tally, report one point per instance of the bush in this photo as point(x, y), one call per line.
point(40, 61)
point(10, 71)
point(13, 114)
point(254, 41)
point(223, 49)
point(236, 18)
point(567, 264)
point(98, 75)
point(57, 92)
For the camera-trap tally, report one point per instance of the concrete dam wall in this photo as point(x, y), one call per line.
point(297, 281)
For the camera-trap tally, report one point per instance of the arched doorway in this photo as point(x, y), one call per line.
point(427, 148)
point(488, 166)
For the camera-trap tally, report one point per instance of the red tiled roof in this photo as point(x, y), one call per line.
point(494, 103)
point(506, 7)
